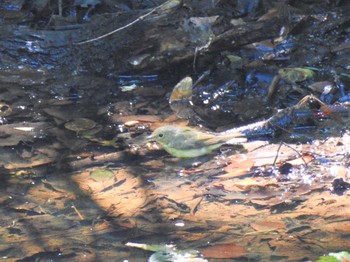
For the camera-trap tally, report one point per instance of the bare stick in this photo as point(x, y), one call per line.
point(205, 74)
point(278, 151)
point(60, 7)
point(197, 51)
point(78, 213)
point(126, 26)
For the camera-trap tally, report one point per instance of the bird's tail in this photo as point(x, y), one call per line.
point(233, 138)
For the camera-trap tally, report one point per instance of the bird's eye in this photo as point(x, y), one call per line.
point(160, 135)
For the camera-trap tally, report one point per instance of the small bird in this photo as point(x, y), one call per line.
point(186, 142)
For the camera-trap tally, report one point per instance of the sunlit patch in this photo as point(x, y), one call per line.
point(180, 224)
point(33, 46)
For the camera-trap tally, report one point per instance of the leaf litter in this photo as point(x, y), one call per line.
point(257, 193)
point(262, 202)
point(271, 197)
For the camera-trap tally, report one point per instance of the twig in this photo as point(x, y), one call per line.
point(60, 8)
point(195, 60)
point(78, 213)
point(196, 205)
point(140, 18)
point(279, 148)
point(205, 74)
point(197, 51)
point(278, 151)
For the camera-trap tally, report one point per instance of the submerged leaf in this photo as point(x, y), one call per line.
point(147, 247)
point(12, 134)
point(182, 90)
point(225, 251)
point(131, 120)
point(293, 75)
point(176, 256)
point(240, 165)
point(101, 174)
point(5, 110)
point(80, 124)
point(169, 253)
point(267, 225)
point(180, 98)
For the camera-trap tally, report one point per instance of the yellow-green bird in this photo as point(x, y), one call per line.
point(186, 142)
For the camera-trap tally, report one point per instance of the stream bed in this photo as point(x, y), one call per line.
point(81, 181)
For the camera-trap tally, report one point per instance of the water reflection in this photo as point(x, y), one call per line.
point(70, 193)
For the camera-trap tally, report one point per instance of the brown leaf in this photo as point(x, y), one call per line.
point(250, 182)
point(266, 155)
point(234, 173)
point(239, 166)
point(337, 226)
point(301, 160)
point(122, 194)
point(231, 250)
point(40, 156)
point(12, 134)
point(268, 225)
point(168, 121)
point(172, 118)
point(135, 118)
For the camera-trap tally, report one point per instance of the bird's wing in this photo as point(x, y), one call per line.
point(234, 138)
point(190, 139)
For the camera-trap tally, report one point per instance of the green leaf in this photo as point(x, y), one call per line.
point(101, 174)
point(327, 259)
point(335, 257)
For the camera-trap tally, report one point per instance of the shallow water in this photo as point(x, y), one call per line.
point(81, 182)
point(81, 196)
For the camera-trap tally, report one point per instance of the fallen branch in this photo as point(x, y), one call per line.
point(170, 3)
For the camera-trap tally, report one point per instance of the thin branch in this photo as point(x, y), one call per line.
point(60, 8)
point(197, 51)
point(126, 26)
point(278, 151)
point(77, 212)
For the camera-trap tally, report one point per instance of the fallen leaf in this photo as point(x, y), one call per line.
point(119, 194)
point(239, 166)
point(135, 118)
point(301, 160)
point(266, 155)
point(101, 174)
point(224, 251)
point(249, 182)
point(132, 123)
point(177, 122)
point(173, 118)
point(267, 225)
point(12, 134)
point(234, 173)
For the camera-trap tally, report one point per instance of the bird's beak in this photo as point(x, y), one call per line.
point(150, 138)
